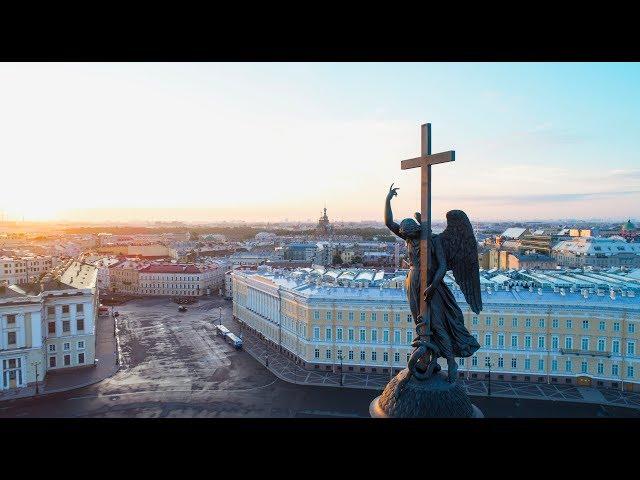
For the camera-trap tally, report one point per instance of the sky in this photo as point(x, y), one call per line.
point(276, 141)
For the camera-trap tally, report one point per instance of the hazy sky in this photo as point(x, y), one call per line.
point(274, 141)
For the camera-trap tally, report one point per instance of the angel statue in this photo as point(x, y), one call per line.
point(442, 333)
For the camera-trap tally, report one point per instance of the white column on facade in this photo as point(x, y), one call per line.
point(36, 329)
point(72, 319)
point(21, 323)
point(58, 309)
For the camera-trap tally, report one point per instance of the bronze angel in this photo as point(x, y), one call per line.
point(454, 249)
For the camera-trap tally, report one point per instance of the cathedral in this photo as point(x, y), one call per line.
point(324, 228)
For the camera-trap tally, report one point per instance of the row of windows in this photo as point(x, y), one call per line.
point(568, 365)
point(362, 355)
point(568, 343)
point(66, 326)
point(66, 360)
point(362, 335)
point(51, 310)
point(328, 315)
point(66, 346)
point(631, 328)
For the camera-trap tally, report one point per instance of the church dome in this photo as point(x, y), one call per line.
point(628, 226)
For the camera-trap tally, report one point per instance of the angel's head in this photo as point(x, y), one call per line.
point(409, 228)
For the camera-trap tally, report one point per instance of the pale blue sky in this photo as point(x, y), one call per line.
point(273, 141)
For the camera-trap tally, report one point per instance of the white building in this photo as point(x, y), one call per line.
point(597, 252)
point(47, 326)
point(25, 269)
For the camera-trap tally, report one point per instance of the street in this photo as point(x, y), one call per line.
point(173, 365)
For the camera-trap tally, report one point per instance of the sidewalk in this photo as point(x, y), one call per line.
point(289, 371)
point(63, 380)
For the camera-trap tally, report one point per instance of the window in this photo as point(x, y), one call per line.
point(362, 355)
point(554, 323)
point(11, 338)
point(65, 309)
point(385, 357)
point(51, 310)
point(474, 361)
point(80, 308)
point(601, 326)
point(81, 358)
point(569, 324)
point(66, 346)
point(80, 324)
point(339, 334)
point(339, 315)
point(396, 357)
point(527, 364)
point(600, 368)
point(396, 317)
point(374, 356)
point(631, 348)
point(52, 328)
point(527, 322)
point(385, 317)
point(474, 320)
point(500, 362)
point(568, 343)
point(11, 319)
point(501, 339)
point(351, 316)
point(614, 370)
point(514, 341)
point(385, 336)
point(631, 327)
point(316, 353)
point(514, 362)
point(461, 361)
point(585, 324)
point(52, 362)
point(487, 361)
point(350, 354)
point(487, 321)
point(363, 335)
point(374, 335)
point(630, 371)
point(409, 318)
point(374, 316)
point(585, 344)
point(616, 326)
point(396, 336)
point(540, 342)
point(487, 340)
point(514, 322)
point(501, 321)
point(540, 365)
point(362, 316)
point(316, 333)
point(541, 323)
point(81, 345)
point(527, 341)
point(601, 345)
point(567, 366)
point(615, 346)
point(52, 348)
point(351, 334)
point(66, 326)
point(328, 354)
point(583, 367)
point(67, 360)
point(327, 315)
point(554, 342)
point(554, 365)
point(327, 334)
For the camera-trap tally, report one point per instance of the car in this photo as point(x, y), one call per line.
point(115, 314)
point(182, 308)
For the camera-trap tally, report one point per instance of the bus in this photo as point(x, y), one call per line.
point(233, 340)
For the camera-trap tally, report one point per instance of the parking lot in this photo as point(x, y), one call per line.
point(174, 365)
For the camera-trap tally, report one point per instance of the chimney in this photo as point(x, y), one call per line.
point(539, 291)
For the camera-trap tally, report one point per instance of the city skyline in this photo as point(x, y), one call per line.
point(265, 142)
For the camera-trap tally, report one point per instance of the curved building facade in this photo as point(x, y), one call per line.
point(542, 327)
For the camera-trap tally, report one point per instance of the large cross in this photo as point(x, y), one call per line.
point(424, 161)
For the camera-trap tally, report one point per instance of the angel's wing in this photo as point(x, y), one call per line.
point(461, 251)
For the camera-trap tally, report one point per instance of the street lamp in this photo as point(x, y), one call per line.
point(488, 364)
point(35, 364)
point(220, 315)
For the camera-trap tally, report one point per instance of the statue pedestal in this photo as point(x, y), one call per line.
point(431, 398)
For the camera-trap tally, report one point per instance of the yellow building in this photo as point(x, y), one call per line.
point(543, 334)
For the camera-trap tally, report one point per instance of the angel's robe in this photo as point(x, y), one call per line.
point(447, 321)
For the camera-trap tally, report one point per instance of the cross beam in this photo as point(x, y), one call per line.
point(424, 161)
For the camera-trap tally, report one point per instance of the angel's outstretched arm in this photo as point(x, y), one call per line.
point(388, 214)
point(442, 267)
